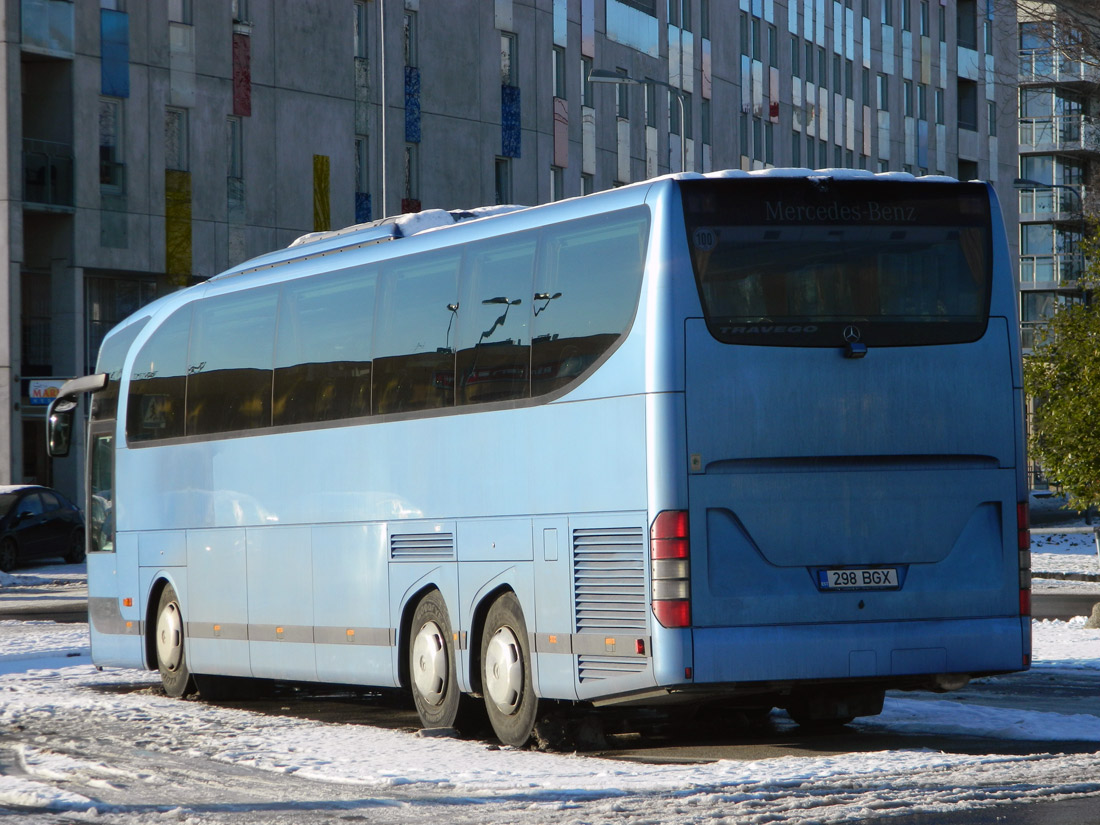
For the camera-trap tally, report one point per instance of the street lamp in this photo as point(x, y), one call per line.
point(1028, 183)
point(605, 76)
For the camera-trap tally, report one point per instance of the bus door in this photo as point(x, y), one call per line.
point(114, 604)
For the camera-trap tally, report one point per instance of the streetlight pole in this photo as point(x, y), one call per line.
point(605, 76)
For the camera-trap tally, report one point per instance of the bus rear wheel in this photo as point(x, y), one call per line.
point(510, 699)
point(432, 664)
point(171, 658)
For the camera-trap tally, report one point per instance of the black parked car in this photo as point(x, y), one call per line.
point(38, 522)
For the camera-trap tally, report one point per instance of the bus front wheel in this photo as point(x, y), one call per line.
point(432, 664)
point(171, 660)
point(510, 699)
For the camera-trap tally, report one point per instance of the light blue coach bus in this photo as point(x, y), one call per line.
point(736, 440)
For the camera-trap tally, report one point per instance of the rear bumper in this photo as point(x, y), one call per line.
point(883, 651)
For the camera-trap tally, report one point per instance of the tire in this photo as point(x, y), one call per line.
point(169, 644)
point(432, 664)
point(9, 555)
point(75, 554)
point(510, 700)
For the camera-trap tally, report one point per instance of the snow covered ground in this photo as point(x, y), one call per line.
point(87, 745)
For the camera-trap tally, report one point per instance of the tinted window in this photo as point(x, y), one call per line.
point(414, 333)
point(31, 505)
point(494, 345)
point(796, 262)
point(586, 292)
point(229, 363)
point(6, 501)
point(158, 381)
point(49, 501)
point(101, 521)
point(111, 357)
point(322, 359)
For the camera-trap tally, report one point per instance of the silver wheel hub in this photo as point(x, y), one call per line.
point(504, 671)
point(429, 663)
point(170, 636)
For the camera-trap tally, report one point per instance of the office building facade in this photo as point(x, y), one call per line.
point(153, 143)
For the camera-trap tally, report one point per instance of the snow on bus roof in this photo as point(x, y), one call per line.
point(412, 223)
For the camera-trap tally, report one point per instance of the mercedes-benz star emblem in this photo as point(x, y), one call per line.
point(852, 334)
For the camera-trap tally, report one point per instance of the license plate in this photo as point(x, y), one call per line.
point(861, 578)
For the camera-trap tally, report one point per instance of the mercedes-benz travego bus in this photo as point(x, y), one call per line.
point(729, 440)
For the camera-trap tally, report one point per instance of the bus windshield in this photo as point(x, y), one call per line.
point(815, 261)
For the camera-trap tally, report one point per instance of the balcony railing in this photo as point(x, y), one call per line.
point(1060, 269)
point(1046, 66)
point(48, 25)
point(1053, 204)
point(1065, 133)
point(47, 173)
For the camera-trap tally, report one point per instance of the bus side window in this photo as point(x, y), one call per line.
point(158, 382)
point(229, 362)
point(416, 316)
point(494, 344)
point(585, 295)
point(322, 351)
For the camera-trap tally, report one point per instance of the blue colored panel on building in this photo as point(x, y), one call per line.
point(509, 122)
point(114, 49)
point(412, 104)
point(362, 207)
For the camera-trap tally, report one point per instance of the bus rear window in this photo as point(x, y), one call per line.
point(816, 261)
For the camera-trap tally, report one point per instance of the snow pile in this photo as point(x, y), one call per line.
point(45, 677)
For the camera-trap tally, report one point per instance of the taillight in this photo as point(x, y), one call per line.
point(670, 567)
point(1023, 526)
point(1023, 543)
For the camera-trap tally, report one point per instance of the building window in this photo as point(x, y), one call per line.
point(940, 113)
point(412, 172)
point(773, 47)
point(360, 29)
point(883, 92)
point(992, 118)
point(968, 105)
point(557, 183)
point(704, 19)
point(744, 33)
point(987, 28)
point(822, 68)
point(362, 164)
point(588, 184)
point(968, 170)
point(922, 102)
point(179, 11)
point(651, 105)
point(558, 56)
point(796, 149)
point(849, 79)
point(866, 82)
point(175, 139)
point(769, 144)
point(809, 62)
point(744, 135)
point(508, 59)
point(686, 97)
point(674, 12)
point(240, 11)
point(795, 55)
point(622, 97)
point(113, 5)
point(967, 23)
point(412, 54)
point(586, 84)
point(234, 147)
point(906, 15)
point(704, 115)
point(503, 180)
point(755, 24)
point(943, 23)
point(907, 97)
point(110, 143)
point(925, 22)
point(887, 12)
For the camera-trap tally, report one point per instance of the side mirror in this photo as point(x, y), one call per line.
point(59, 426)
point(62, 411)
